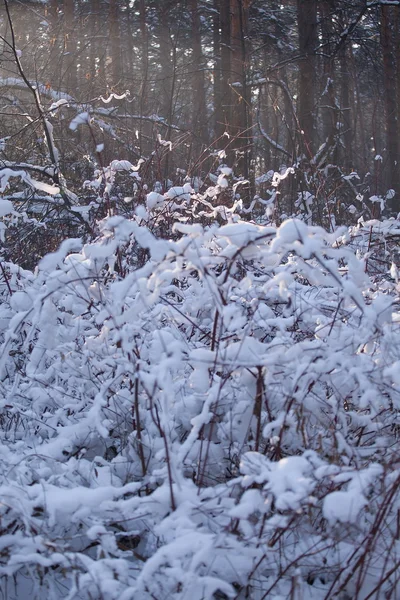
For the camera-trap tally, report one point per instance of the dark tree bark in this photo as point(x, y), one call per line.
point(54, 40)
point(387, 38)
point(328, 87)
point(199, 125)
point(217, 72)
point(226, 97)
point(70, 58)
point(240, 115)
point(346, 116)
point(308, 39)
point(396, 35)
point(144, 127)
point(97, 47)
point(167, 77)
point(128, 50)
point(115, 71)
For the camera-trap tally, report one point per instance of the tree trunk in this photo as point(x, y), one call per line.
point(387, 38)
point(144, 127)
point(70, 64)
point(240, 116)
point(217, 72)
point(226, 100)
point(199, 122)
point(329, 109)
point(97, 47)
point(346, 116)
point(115, 72)
point(167, 78)
point(308, 39)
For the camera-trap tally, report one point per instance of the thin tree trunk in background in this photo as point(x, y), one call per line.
point(144, 128)
point(396, 35)
point(128, 50)
point(93, 66)
point(53, 18)
point(97, 47)
point(70, 48)
point(308, 39)
point(360, 139)
point(289, 143)
point(328, 85)
point(167, 77)
point(83, 60)
point(390, 95)
point(346, 116)
point(280, 54)
point(217, 72)
point(226, 96)
point(240, 116)
point(199, 125)
point(115, 72)
point(264, 120)
point(165, 58)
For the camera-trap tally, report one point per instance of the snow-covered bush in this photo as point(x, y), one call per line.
point(212, 413)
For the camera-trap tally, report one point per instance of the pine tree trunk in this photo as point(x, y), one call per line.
point(144, 127)
point(199, 123)
point(346, 116)
point(70, 64)
point(226, 99)
point(115, 48)
point(308, 38)
point(240, 116)
point(390, 96)
point(217, 73)
point(328, 111)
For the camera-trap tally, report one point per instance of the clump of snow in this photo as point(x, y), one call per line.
point(153, 199)
point(6, 207)
point(80, 119)
point(180, 192)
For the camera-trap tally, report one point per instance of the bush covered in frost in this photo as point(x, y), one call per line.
point(211, 413)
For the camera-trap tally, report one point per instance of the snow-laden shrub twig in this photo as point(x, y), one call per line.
point(215, 416)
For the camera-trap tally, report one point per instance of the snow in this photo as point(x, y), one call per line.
point(153, 199)
point(58, 104)
point(231, 389)
point(20, 301)
point(225, 170)
point(344, 507)
point(6, 207)
point(162, 142)
point(82, 118)
point(7, 173)
point(180, 192)
point(242, 233)
point(292, 230)
point(121, 165)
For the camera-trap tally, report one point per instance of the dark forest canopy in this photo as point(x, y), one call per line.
point(312, 84)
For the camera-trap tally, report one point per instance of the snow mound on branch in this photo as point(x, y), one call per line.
point(6, 207)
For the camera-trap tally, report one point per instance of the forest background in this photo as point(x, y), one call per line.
point(309, 85)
